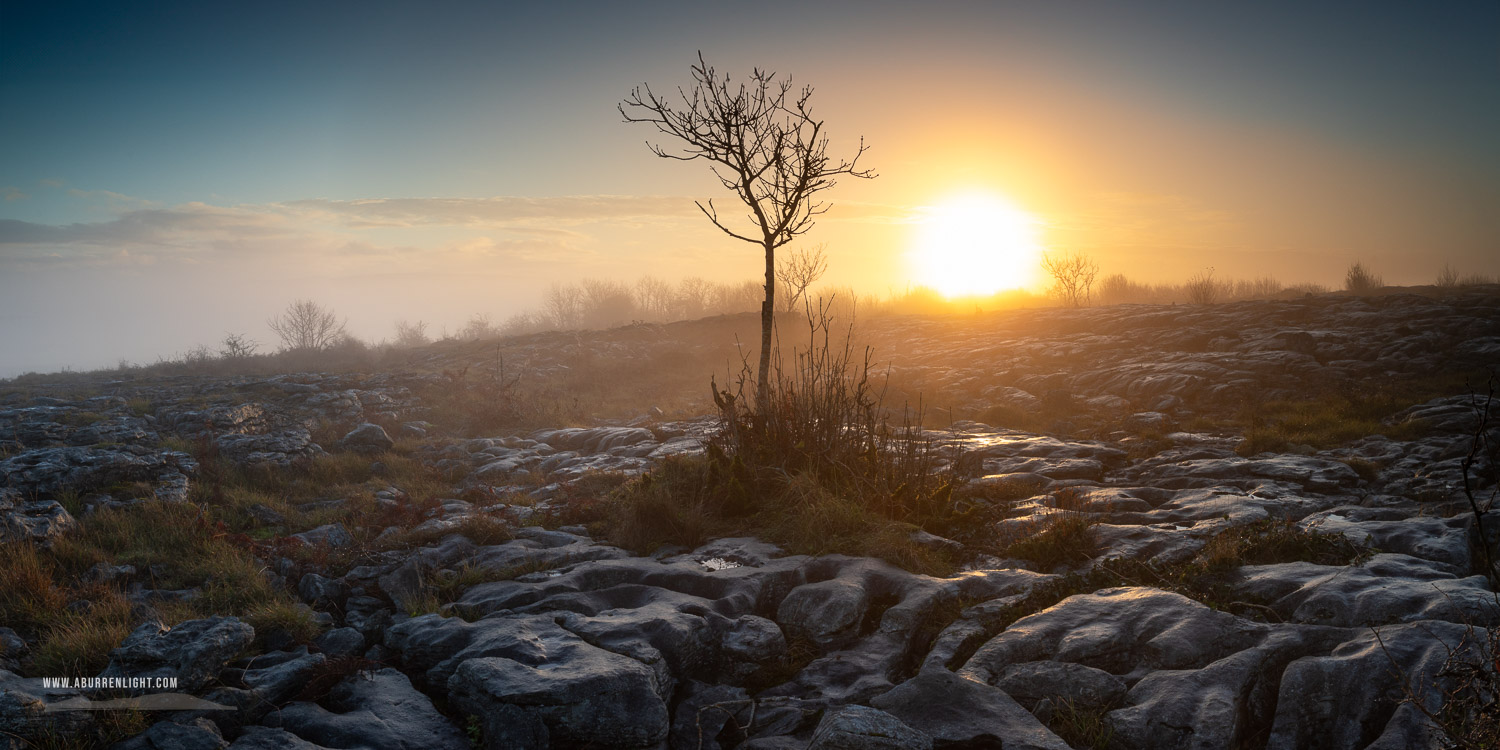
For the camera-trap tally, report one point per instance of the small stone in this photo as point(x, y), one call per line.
point(333, 535)
point(865, 728)
point(367, 438)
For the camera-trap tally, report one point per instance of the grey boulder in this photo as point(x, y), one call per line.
point(865, 728)
point(956, 711)
point(827, 613)
point(193, 651)
point(378, 711)
point(367, 438)
point(561, 691)
point(198, 734)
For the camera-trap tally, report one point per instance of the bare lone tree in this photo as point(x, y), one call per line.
point(799, 270)
point(1072, 277)
point(765, 146)
point(306, 326)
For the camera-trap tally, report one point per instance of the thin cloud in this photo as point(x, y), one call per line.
point(112, 201)
point(488, 212)
point(515, 229)
point(150, 226)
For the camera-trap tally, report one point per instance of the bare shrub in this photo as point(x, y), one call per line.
point(821, 470)
point(306, 326)
point(410, 335)
point(799, 270)
point(841, 307)
point(1450, 278)
point(1469, 679)
point(479, 328)
point(1202, 289)
point(1116, 289)
point(524, 323)
point(1263, 287)
point(1360, 280)
point(1072, 277)
point(1467, 714)
point(237, 346)
point(1483, 455)
point(827, 419)
point(606, 304)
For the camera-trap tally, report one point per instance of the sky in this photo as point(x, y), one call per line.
point(172, 172)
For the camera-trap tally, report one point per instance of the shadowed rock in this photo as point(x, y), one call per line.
point(192, 651)
point(552, 688)
point(865, 728)
point(378, 710)
point(367, 438)
point(959, 712)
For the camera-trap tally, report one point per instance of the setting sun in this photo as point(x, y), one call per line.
point(975, 244)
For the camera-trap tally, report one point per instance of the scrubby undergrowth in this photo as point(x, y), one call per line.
point(818, 468)
point(208, 556)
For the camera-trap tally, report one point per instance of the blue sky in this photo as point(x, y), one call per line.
point(472, 150)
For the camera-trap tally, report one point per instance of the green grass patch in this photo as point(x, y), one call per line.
point(79, 642)
point(1083, 727)
point(1339, 413)
point(688, 500)
point(1068, 539)
point(172, 546)
point(283, 614)
point(482, 530)
point(29, 598)
point(1276, 541)
point(1064, 536)
point(1367, 470)
point(80, 418)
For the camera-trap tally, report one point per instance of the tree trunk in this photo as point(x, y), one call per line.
point(767, 321)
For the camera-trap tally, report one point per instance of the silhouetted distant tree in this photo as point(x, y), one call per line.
point(606, 303)
point(237, 346)
point(478, 328)
point(306, 326)
point(800, 270)
point(654, 298)
point(1072, 277)
point(565, 306)
point(1361, 280)
point(409, 335)
point(764, 146)
point(1201, 288)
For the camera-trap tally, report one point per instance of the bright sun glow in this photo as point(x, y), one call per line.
point(976, 244)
